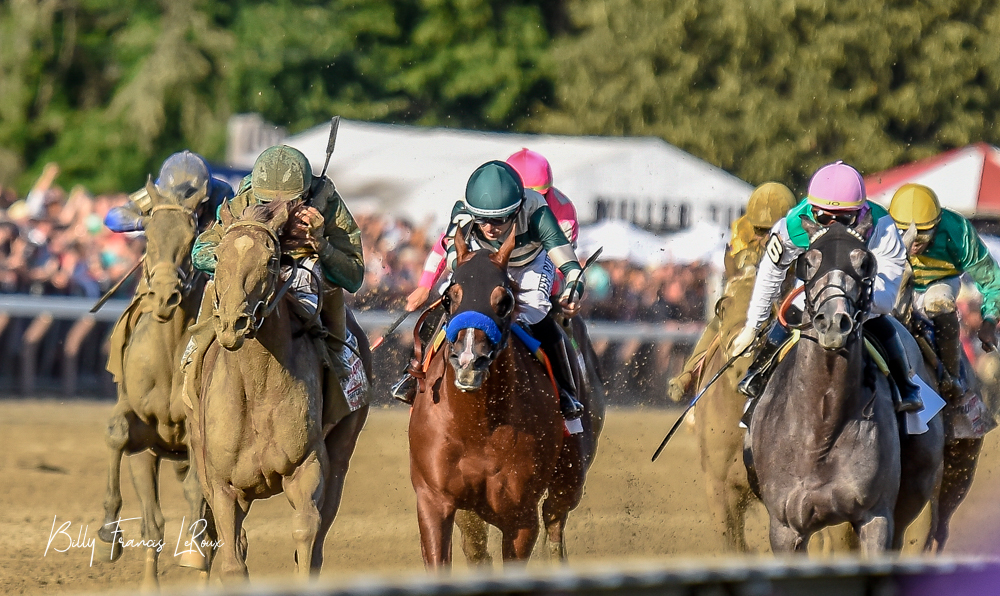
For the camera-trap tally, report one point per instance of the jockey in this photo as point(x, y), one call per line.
point(496, 205)
point(768, 203)
point(182, 176)
point(946, 246)
point(836, 194)
point(536, 174)
point(323, 232)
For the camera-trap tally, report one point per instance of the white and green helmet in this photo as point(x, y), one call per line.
point(280, 172)
point(494, 190)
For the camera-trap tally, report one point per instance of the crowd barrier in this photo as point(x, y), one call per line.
point(55, 345)
point(945, 576)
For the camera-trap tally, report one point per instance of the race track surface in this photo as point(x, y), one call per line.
point(53, 462)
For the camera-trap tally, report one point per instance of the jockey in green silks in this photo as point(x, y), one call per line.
point(836, 195)
point(946, 246)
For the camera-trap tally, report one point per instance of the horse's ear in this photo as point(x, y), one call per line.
point(503, 255)
point(226, 215)
point(909, 237)
point(461, 248)
point(865, 224)
point(279, 212)
point(809, 225)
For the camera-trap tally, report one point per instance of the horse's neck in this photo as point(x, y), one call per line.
point(834, 387)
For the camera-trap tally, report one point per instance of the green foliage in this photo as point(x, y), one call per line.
point(771, 90)
point(109, 88)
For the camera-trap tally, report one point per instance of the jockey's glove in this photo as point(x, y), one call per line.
point(743, 340)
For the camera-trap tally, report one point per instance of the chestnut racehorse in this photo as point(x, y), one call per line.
point(486, 433)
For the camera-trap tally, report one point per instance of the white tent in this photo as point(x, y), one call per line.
point(704, 242)
point(419, 173)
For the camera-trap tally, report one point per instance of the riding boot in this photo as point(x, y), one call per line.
point(759, 372)
point(898, 363)
point(548, 333)
point(949, 349)
point(405, 389)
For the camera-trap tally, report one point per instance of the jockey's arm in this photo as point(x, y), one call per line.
point(975, 259)
point(544, 228)
point(340, 246)
point(890, 263)
point(128, 217)
point(779, 253)
point(203, 251)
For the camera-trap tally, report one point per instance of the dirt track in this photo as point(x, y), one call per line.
point(52, 461)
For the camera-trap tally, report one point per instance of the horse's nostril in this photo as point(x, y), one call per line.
point(845, 323)
point(242, 324)
point(174, 299)
point(819, 322)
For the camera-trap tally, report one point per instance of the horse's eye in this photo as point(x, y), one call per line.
point(502, 301)
point(452, 297)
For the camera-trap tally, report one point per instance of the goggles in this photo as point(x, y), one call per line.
point(494, 221)
point(826, 218)
point(924, 237)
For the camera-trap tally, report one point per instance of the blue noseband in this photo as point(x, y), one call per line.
point(471, 319)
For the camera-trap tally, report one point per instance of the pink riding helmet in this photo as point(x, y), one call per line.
point(837, 187)
point(535, 171)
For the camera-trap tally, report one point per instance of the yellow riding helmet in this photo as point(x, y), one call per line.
point(916, 204)
point(768, 203)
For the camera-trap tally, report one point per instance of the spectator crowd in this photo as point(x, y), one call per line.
point(55, 243)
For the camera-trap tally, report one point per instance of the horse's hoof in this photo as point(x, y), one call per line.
point(107, 551)
point(194, 560)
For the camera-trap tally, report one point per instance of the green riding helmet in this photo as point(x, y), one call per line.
point(281, 172)
point(494, 191)
point(183, 175)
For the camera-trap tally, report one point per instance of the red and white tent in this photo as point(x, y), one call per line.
point(966, 180)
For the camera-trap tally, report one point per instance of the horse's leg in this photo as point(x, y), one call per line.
point(475, 536)
point(565, 492)
point(230, 557)
point(786, 540)
point(960, 460)
point(304, 491)
point(192, 557)
point(109, 549)
point(145, 468)
point(519, 538)
point(340, 444)
point(875, 533)
point(436, 518)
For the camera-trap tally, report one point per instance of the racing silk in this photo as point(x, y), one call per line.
point(788, 240)
point(565, 213)
point(535, 229)
point(434, 264)
point(128, 217)
point(955, 249)
point(340, 253)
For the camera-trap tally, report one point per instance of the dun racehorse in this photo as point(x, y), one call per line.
point(486, 434)
point(258, 426)
point(148, 421)
point(824, 438)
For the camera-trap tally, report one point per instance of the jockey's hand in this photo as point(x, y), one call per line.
point(569, 309)
point(988, 334)
point(741, 341)
point(305, 222)
point(417, 298)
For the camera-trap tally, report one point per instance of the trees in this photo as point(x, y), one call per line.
point(771, 90)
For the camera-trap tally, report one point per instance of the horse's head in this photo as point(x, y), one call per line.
point(480, 303)
point(170, 229)
point(838, 271)
point(246, 275)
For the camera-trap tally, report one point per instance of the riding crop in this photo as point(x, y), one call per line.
point(97, 305)
point(691, 404)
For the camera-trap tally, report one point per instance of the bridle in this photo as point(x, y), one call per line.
point(187, 275)
point(860, 305)
point(498, 335)
point(263, 308)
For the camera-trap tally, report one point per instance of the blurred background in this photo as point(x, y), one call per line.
point(658, 117)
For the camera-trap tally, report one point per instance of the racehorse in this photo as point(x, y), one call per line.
point(258, 427)
point(148, 421)
point(824, 441)
point(486, 434)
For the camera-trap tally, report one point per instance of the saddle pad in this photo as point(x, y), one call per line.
point(355, 383)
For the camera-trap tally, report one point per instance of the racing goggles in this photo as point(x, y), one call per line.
point(494, 221)
point(924, 237)
point(826, 218)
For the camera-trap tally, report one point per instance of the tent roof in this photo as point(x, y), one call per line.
point(420, 172)
point(965, 179)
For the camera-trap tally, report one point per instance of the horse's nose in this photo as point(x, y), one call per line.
point(838, 322)
point(173, 300)
point(241, 324)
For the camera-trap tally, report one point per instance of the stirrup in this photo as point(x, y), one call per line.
point(405, 389)
point(909, 397)
point(571, 408)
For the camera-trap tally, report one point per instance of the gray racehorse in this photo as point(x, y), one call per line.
point(824, 440)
